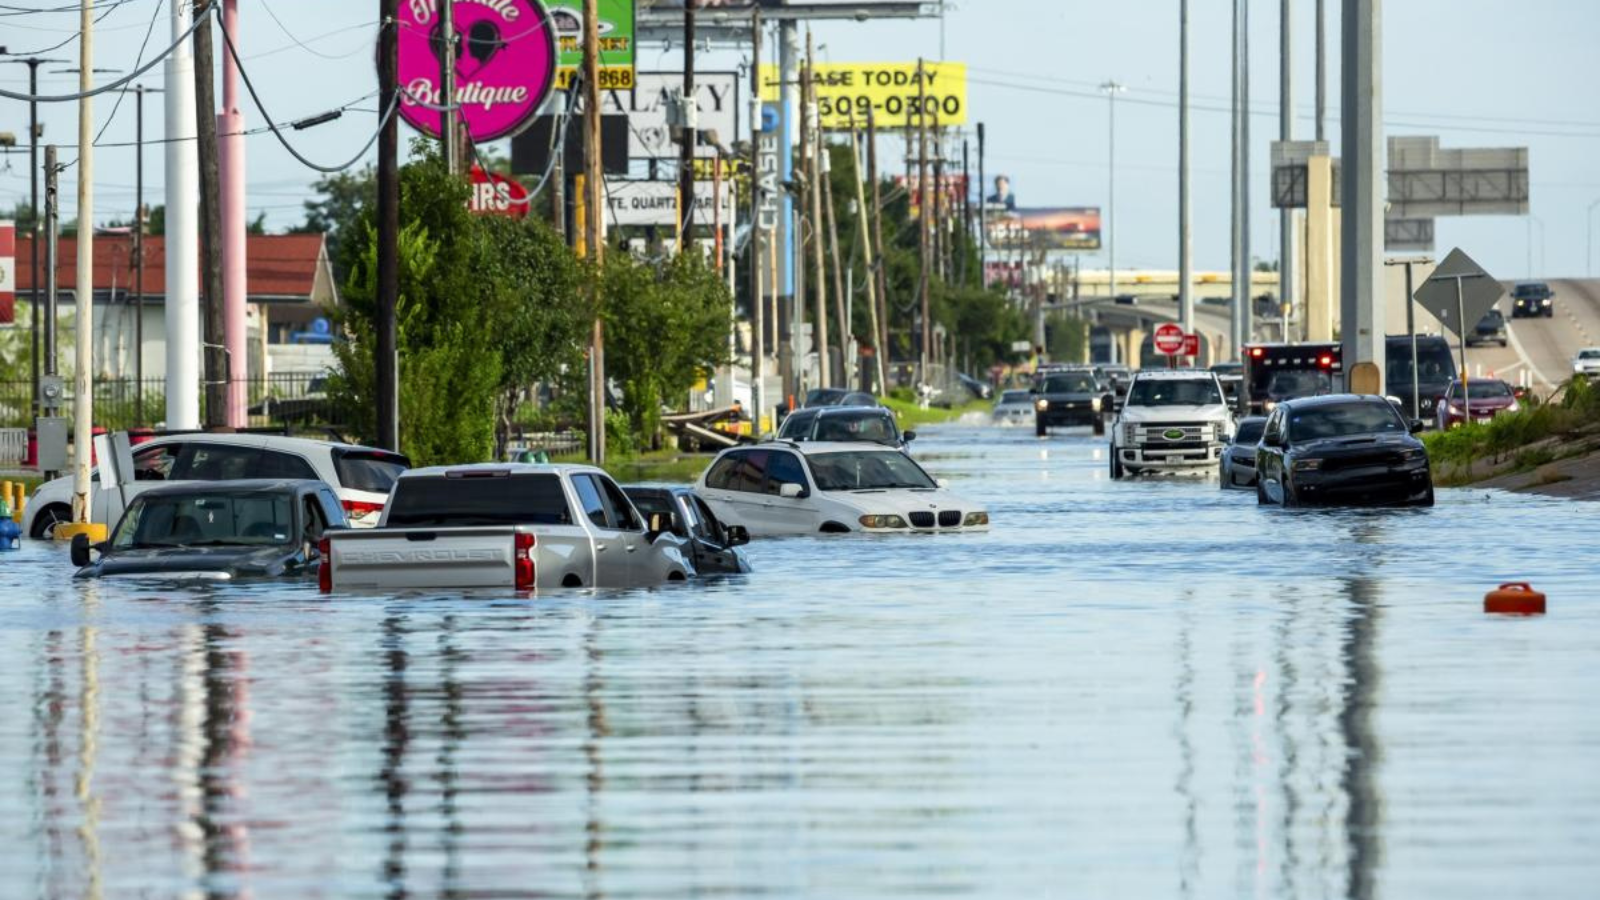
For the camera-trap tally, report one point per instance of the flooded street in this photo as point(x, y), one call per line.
point(1140, 689)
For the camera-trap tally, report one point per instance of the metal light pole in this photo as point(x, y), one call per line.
point(182, 163)
point(386, 362)
point(1361, 128)
point(1411, 327)
point(138, 251)
point(83, 291)
point(1239, 280)
point(1534, 220)
point(1185, 242)
point(1588, 216)
point(1112, 89)
point(1287, 268)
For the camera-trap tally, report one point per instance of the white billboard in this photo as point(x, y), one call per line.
point(716, 94)
point(645, 203)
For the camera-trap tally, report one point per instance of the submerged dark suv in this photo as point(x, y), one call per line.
point(1345, 449)
point(1073, 397)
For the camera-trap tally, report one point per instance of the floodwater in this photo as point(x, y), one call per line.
point(1148, 689)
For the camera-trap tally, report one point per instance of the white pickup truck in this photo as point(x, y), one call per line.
point(1172, 420)
point(510, 527)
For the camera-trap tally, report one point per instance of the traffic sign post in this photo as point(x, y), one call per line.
point(1459, 286)
point(1168, 339)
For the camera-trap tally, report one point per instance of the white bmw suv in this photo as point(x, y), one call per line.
point(1173, 420)
point(783, 487)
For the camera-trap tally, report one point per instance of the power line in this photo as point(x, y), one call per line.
point(68, 98)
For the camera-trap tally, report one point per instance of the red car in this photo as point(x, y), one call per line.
point(1486, 397)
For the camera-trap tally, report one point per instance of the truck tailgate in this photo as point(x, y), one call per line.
point(403, 558)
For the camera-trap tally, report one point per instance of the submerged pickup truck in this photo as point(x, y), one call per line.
point(510, 527)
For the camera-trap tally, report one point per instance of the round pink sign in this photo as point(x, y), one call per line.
point(505, 64)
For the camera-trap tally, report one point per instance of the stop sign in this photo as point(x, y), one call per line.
point(1169, 339)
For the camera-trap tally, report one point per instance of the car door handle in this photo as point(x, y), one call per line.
point(599, 548)
point(632, 547)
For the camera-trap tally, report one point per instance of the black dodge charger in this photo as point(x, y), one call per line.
point(1342, 449)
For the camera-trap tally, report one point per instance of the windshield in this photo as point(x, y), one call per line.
point(1532, 290)
point(848, 427)
point(1289, 385)
point(1482, 390)
point(1589, 354)
point(1174, 392)
point(256, 519)
point(1250, 431)
point(1344, 420)
point(1491, 319)
point(867, 471)
point(1014, 397)
point(459, 502)
point(1068, 384)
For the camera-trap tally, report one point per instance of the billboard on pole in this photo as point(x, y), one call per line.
point(617, 52)
point(649, 137)
point(894, 92)
point(1053, 228)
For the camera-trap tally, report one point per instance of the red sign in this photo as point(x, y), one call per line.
point(1169, 339)
point(1191, 345)
point(497, 195)
point(8, 273)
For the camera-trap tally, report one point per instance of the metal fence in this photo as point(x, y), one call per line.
point(124, 403)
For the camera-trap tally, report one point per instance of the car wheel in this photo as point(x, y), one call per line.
point(44, 524)
point(1116, 465)
point(1040, 429)
point(1100, 426)
point(1427, 499)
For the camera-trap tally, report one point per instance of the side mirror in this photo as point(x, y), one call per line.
point(660, 523)
point(80, 550)
point(791, 491)
point(908, 436)
point(1418, 426)
point(737, 535)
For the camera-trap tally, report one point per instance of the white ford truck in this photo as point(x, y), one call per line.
point(509, 527)
point(1173, 420)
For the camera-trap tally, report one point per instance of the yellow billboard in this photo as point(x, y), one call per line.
point(894, 93)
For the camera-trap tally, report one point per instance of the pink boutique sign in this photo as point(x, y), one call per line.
point(505, 64)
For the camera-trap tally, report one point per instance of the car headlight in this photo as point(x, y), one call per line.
point(1094, 404)
point(882, 522)
point(1414, 454)
point(1547, 301)
point(1270, 405)
point(1041, 403)
point(1307, 465)
point(1455, 408)
point(974, 519)
point(1513, 407)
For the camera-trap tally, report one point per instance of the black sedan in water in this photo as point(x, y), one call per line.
point(1342, 449)
point(219, 530)
point(1238, 463)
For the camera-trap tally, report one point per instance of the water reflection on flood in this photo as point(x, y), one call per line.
point(1126, 689)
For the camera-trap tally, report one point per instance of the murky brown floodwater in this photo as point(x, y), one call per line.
point(1126, 690)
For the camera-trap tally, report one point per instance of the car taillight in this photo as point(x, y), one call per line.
point(355, 508)
point(523, 561)
point(1257, 352)
point(325, 566)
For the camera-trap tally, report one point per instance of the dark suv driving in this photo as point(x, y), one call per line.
point(1067, 398)
point(1532, 298)
point(1342, 449)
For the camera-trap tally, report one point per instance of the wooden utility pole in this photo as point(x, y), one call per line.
point(936, 202)
point(686, 137)
point(864, 225)
point(218, 367)
point(966, 208)
point(386, 356)
point(759, 236)
point(814, 177)
point(595, 238)
point(880, 271)
point(925, 335)
point(840, 308)
point(449, 122)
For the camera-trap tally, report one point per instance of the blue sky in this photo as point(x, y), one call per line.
point(1474, 72)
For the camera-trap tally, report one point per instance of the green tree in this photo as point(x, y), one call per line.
point(665, 326)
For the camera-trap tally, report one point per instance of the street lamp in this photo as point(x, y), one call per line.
point(1112, 89)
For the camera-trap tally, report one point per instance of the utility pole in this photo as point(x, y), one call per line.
point(1322, 72)
point(1185, 238)
point(1361, 130)
point(760, 233)
point(138, 255)
point(50, 406)
point(791, 300)
point(33, 63)
point(182, 231)
point(983, 211)
point(863, 224)
point(1112, 89)
point(594, 203)
point(933, 203)
point(690, 112)
point(925, 333)
point(840, 298)
point(1287, 266)
point(449, 132)
point(966, 206)
point(231, 171)
point(1239, 321)
point(83, 376)
point(876, 212)
point(812, 129)
point(218, 366)
point(386, 357)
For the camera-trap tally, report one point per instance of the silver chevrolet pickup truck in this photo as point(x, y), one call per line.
point(497, 526)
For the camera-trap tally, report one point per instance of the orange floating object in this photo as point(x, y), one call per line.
point(1515, 599)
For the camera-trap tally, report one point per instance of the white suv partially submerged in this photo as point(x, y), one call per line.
point(1173, 420)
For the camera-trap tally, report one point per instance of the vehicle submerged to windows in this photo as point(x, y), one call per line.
point(220, 531)
point(1343, 449)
